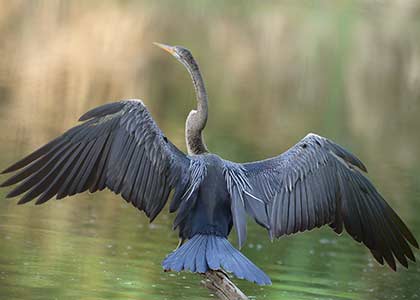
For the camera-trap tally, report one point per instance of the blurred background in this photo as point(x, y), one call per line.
point(275, 70)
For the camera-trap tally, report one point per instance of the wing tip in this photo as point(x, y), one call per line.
point(8, 170)
point(23, 201)
point(412, 258)
point(391, 262)
point(152, 217)
point(100, 111)
point(12, 194)
point(39, 202)
point(414, 243)
point(393, 268)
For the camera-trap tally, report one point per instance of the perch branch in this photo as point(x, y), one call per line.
point(220, 285)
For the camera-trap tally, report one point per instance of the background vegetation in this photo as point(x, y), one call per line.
point(275, 70)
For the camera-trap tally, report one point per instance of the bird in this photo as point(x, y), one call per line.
point(118, 146)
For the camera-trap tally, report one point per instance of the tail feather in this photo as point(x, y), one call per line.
point(205, 252)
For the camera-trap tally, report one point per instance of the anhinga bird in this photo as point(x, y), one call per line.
point(119, 146)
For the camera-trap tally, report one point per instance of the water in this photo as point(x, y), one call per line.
point(274, 72)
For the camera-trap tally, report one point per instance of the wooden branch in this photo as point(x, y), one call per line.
point(219, 284)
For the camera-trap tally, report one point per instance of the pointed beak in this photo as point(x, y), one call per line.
point(167, 48)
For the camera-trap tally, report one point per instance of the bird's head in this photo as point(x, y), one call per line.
point(182, 54)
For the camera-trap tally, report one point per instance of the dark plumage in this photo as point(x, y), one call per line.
point(119, 146)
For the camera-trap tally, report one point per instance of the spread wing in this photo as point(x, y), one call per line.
point(119, 146)
point(315, 183)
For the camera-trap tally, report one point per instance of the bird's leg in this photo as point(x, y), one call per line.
point(181, 241)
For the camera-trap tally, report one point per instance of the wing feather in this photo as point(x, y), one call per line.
point(316, 183)
point(37, 175)
point(119, 146)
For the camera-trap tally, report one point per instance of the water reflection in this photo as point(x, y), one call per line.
point(350, 71)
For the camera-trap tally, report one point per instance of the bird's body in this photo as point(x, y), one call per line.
point(211, 212)
point(314, 183)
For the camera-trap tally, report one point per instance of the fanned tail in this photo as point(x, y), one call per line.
point(205, 252)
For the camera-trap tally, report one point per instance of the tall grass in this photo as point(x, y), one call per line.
point(344, 69)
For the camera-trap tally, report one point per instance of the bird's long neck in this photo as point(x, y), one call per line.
point(197, 119)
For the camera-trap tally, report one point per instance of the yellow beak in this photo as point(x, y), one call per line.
point(167, 48)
